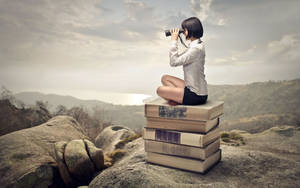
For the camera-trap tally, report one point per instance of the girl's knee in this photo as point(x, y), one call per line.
point(164, 77)
point(159, 90)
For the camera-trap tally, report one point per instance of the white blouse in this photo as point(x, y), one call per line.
point(193, 60)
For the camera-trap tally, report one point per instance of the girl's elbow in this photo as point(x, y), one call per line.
point(172, 62)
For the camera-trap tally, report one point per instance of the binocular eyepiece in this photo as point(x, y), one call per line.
point(168, 32)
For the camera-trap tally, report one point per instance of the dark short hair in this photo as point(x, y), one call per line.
point(194, 27)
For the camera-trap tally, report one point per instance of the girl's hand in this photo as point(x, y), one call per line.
point(174, 34)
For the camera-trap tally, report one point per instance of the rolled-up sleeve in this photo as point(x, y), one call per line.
point(181, 59)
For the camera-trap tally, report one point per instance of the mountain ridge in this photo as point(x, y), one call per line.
point(240, 101)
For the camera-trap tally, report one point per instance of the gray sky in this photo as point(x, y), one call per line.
point(80, 47)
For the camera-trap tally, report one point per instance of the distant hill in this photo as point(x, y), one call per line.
point(258, 98)
point(241, 101)
point(54, 100)
point(260, 123)
point(128, 115)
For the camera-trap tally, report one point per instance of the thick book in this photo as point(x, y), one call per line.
point(183, 138)
point(159, 107)
point(201, 166)
point(182, 125)
point(182, 150)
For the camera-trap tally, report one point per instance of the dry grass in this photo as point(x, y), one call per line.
point(123, 142)
point(114, 155)
point(232, 138)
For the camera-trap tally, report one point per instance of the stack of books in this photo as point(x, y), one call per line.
point(183, 136)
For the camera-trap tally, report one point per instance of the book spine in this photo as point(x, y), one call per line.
point(182, 137)
point(184, 163)
point(181, 150)
point(182, 112)
point(173, 137)
point(172, 112)
point(166, 136)
point(182, 125)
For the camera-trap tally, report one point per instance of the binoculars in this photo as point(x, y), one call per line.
point(168, 32)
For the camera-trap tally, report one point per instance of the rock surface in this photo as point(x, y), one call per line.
point(27, 157)
point(282, 140)
point(239, 167)
point(111, 136)
point(78, 161)
point(62, 167)
point(96, 154)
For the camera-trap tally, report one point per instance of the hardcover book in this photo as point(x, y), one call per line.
point(159, 107)
point(189, 164)
point(182, 125)
point(182, 150)
point(183, 138)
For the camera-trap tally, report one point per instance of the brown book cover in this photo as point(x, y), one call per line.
point(182, 125)
point(182, 150)
point(183, 138)
point(159, 107)
point(201, 166)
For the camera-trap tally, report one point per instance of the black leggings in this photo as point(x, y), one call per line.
point(191, 98)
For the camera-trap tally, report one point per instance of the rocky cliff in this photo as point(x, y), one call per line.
point(27, 157)
point(268, 159)
point(58, 154)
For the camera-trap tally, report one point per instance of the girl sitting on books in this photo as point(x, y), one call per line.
point(193, 89)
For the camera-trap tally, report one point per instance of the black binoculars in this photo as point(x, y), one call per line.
point(168, 32)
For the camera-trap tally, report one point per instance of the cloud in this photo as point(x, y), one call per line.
point(202, 9)
point(238, 58)
point(286, 49)
point(95, 43)
point(28, 27)
point(139, 24)
point(139, 11)
point(51, 34)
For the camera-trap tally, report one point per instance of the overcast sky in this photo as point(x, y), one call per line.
point(84, 46)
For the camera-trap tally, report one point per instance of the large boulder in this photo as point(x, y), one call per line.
point(111, 136)
point(27, 157)
point(96, 154)
point(77, 161)
point(239, 167)
point(282, 140)
point(62, 167)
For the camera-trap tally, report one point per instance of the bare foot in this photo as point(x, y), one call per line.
point(172, 103)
